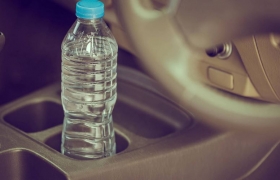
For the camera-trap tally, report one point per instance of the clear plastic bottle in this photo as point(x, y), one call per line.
point(89, 64)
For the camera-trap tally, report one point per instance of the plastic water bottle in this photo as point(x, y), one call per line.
point(89, 63)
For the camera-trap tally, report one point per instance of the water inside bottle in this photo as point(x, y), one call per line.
point(88, 97)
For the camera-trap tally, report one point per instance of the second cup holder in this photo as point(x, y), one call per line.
point(25, 165)
point(140, 122)
point(36, 117)
point(148, 114)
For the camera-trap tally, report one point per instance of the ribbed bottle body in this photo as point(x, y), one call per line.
point(89, 64)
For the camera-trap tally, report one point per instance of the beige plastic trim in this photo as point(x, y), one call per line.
point(221, 78)
point(165, 54)
point(242, 84)
point(250, 53)
point(233, 65)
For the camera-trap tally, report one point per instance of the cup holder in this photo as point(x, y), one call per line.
point(147, 114)
point(140, 122)
point(25, 165)
point(36, 117)
point(55, 142)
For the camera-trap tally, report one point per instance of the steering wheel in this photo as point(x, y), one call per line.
point(171, 54)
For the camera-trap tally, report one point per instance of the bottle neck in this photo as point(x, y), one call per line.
point(90, 21)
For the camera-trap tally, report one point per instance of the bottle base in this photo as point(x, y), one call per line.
point(88, 156)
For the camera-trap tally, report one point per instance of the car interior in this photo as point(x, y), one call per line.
point(198, 90)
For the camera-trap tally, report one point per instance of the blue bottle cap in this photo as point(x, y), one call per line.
point(89, 9)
